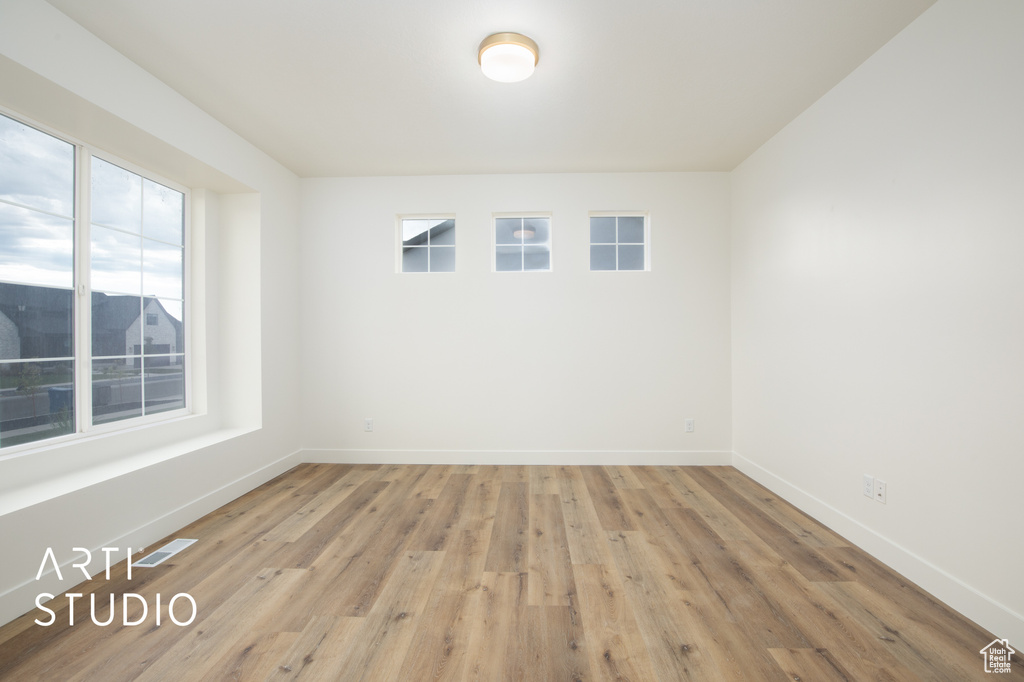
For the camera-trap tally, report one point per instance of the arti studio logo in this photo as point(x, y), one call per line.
point(997, 656)
point(134, 607)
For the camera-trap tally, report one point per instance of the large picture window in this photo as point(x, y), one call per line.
point(92, 289)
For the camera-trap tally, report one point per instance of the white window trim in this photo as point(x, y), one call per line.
point(623, 214)
point(525, 215)
point(423, 216)
point(82, 323)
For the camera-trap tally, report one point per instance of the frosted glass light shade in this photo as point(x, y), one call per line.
point(508, 57)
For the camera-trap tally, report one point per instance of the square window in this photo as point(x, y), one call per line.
point(522, 244)
point(428, 244)
point(618, 242)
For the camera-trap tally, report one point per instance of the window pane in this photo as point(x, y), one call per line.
point(631, 230)
point(162, 332)
point(38, 401)
point(536, 230)
point(116, 261)
point(508, 258)
point(35, 322)
point(116, 197)
point(602, 230)
point(162, 270)
point(115, 325)
point(631, 257)
point(163, 213)
point(165, 384)
point(442, 233)
point(415, 232)
point(414, 259)
point(442, 259)
point(36, 169)
point(116, 389)
point(505, 229)
point(602, 257)
point(36, 248)
point(537, 258)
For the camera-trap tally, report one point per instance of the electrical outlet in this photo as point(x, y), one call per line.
point(368, 424)
point(689, 426)
point(869, 486)
point(880, 491)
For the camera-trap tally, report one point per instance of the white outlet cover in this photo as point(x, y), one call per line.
point(880, 491)
point(869, 486)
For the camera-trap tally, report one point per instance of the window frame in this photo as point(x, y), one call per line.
point(645, 215)
point(523, 215)
point(82, 359)
point(399, 242)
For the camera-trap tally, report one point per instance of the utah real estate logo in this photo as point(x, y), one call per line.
point(997, 656)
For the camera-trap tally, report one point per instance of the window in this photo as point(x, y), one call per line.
point(70, 362)
point(428, 244)
point(522, 243)
point(617, 242)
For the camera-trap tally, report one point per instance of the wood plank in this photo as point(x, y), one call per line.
point(391, 623)
point(726, 604)
point(623, 477)
point(782, 512)
point(614, 645)
point(604, 495)
point(441, 642)
point(677, 652)
point(444, 517)
point(311, 513)
point(550, 566)
point(508, 546)
point(810, 664)
point(811, 564)
point(587, 541)
point(544, 480)
point(502, 598)
point(256, 604)
point(315, 654)
point(660, 489)
point(432, 482)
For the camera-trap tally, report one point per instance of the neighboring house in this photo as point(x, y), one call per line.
point(10, 342)
point(161, 333)
point(42, 317)
point(36, 322)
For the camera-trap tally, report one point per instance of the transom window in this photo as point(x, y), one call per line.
point(522, 243)
point(428, 244)
point(92, 319)
point(618, 242)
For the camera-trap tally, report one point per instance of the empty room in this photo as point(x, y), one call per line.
point(667, 340)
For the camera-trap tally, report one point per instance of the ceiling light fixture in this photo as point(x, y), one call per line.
point(527, 232)
point(508, 57)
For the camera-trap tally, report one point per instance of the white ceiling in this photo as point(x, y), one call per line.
point(392, 87)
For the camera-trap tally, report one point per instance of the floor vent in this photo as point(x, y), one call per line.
point(164, 553)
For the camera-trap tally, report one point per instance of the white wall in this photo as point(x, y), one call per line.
point(560, 366)
point(878, 307)
point(133, 487)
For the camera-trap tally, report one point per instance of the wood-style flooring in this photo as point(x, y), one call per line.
point(523, 573)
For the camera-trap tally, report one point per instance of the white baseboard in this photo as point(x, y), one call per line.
point(979, 607)
point(22, 599)
point(532, 457)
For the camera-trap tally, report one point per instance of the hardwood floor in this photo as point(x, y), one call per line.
point(353, 572)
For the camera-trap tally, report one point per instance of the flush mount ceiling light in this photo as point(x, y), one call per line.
point(508, 57)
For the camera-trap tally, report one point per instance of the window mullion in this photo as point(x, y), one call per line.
point(83, 291)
